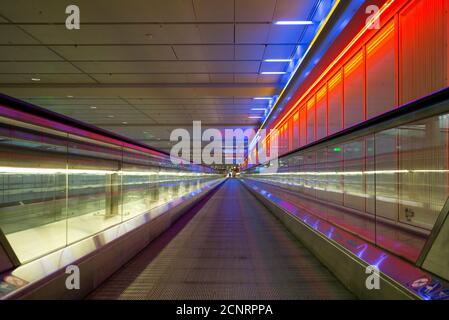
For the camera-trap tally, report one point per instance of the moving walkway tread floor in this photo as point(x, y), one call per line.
point(231, 248)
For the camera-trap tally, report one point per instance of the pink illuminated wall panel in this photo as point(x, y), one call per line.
point(354, 91)
point(321, 113)
point(407, 58)
point(423, 48)
point(335, 96)
point(303, 126)
point(296, 130)
point(381, 72)
point(311, 120)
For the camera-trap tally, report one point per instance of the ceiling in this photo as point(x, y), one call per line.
point(144, 67)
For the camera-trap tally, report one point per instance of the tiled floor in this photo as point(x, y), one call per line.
point(231, 248)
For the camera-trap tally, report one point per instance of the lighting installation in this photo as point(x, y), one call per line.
point(263, 98)
point(294, 22)
point(273, 72)
point(258, 109)
point(337, 60)
point(255, 117)
point(35, 79)
point(323, 23)
point(278, 60)
point(354, 173)
point(340, 56)
point(13, 170)
point(39, 171)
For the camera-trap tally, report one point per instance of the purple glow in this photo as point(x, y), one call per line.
point(398, 269)
point(362, 251)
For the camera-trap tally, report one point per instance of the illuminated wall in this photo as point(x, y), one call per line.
point(378, 71)
point(397, 176)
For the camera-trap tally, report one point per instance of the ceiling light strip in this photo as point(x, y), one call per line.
point(337, 2)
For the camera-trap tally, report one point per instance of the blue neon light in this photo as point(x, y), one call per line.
point(323, 9)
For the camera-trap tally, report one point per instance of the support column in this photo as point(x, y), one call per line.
point(113, 194)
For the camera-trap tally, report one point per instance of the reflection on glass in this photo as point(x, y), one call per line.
point(395, 182)
point(55, 191)
point(354, 187)
point(33, 211)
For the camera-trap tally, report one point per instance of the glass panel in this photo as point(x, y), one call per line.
point(334, 165)
point(370, 177)
point(386, 174)
point(321, 179)
point(94, 197)
point(423, 177)
point(57, 188)
point(301, 170)
point(138, 190)
point(387, 187)
point(309, 178)
point(354, 164)
point(33, 198)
